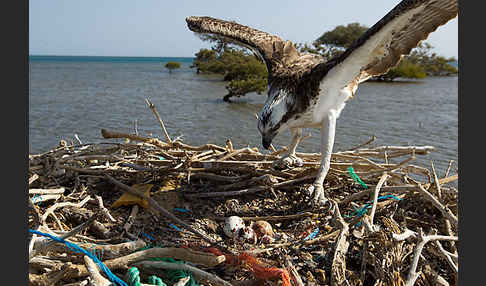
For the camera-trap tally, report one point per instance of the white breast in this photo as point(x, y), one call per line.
point(332, 97)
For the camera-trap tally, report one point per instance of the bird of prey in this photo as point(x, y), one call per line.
point(304, 90)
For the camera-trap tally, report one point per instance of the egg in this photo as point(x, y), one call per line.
point(233, 225)
point(263, 228)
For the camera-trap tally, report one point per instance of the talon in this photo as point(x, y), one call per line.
point(318, 195)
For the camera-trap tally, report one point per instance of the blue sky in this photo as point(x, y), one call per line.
point(158, 28)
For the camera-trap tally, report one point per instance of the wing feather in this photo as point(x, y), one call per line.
point(271, 49)
point(382, 46)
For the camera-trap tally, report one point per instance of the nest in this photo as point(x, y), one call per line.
point(389, 222)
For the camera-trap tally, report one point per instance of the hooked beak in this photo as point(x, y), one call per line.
point(267, 140)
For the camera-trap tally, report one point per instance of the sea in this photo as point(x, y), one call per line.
point(77, 96)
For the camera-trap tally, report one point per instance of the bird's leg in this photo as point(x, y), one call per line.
point(291, 160)
point(327, 141)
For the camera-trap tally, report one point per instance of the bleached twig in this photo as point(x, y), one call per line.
point(104, 210)
point(162, 125)
point(412, 274)
point(375, 198)
point(338, 268)
point(446, 212)
point(96, 278)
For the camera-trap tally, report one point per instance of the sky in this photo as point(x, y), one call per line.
point(156, 28)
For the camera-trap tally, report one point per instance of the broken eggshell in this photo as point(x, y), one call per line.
point(233, 225)
point(263, 228)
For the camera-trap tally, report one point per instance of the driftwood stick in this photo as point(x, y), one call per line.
point(46, 191)
point(113, 135)
point(33, 178)
point(448, 256)
point(448, 168)
point(131, 218)
point(436, 182)
point(375, 198)
point(412, 274)
point(74, 231)
point(104, 210)
point(446, 212)
point(406, 234)
point(229, 193)
point(64, 204)
point(44, 198)
point(196, 257)
point(96, 278)
point(338, 268)
point(109, 251)
point(234, 153)
point(40, 262)
point(158, 208)
point(79, 283)
point(162, 125)
point(200, 274)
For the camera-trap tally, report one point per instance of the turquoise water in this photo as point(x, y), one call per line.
point(37, 58)
point(81, 95)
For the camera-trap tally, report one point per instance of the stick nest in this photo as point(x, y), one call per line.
point(408, 241)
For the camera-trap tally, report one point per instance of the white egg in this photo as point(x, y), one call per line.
point(233, 225)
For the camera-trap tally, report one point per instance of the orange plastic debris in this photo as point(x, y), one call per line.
point(255, 266)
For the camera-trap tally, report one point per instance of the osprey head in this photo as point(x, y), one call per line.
point(271, 118)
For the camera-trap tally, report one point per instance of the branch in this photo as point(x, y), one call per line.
point(412, 274)
point(338, 268)
point(446, 212)
point(152, 107)
point(96, 278)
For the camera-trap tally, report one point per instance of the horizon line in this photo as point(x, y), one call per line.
point(53, 55)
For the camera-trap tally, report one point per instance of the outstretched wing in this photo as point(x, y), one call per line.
point(271, 49)
point(382, 46)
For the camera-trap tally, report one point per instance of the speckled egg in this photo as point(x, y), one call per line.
point(233, 225)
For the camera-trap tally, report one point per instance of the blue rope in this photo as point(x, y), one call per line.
point(113, 278)
point(364, 209)
point(312, 235)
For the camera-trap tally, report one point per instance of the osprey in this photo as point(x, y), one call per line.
point(304, 90)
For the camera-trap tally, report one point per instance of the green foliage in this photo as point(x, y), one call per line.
point(405, 68)
point(244, 72)
point(172, 65)
point(341, 36)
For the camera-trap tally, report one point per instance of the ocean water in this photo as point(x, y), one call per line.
point(81, 95)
